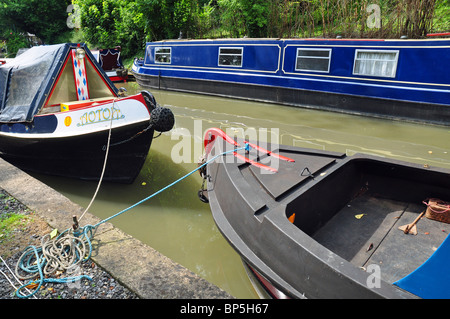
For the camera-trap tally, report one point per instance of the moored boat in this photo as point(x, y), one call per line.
point(111, 62)
point(393, 79)
point(318, 224)
point(61, 115)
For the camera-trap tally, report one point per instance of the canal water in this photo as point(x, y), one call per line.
point(179, 225)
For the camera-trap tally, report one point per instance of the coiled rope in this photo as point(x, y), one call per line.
point(74, 246)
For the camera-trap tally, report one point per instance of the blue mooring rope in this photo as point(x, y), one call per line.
point(30, 265)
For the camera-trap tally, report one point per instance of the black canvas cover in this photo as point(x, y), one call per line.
point(26, 81)
point(110, 59)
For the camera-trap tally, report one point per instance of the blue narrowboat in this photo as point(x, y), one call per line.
point(397, 79)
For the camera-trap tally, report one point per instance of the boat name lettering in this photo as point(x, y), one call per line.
point(101, 115)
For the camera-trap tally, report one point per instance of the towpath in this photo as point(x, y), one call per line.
point(123, 267)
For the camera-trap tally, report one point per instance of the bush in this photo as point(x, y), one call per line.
point(13, 42)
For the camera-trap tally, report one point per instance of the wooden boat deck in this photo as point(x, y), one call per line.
point(375, 238)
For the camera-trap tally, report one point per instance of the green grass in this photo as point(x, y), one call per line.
point(11, 222)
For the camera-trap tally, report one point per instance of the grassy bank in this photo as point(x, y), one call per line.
point(13, 217)
point(19, 226)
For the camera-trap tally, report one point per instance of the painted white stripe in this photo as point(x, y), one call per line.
point(93, 120)
point(317, 80)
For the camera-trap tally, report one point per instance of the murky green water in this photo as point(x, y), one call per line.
point(181, 227)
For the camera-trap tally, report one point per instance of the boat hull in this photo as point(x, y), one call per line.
point(300, 257)
point(117, 76)
point(75, 143)
point(407, 111)
point(82, 156)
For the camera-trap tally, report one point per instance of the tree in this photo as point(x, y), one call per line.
point(245, 17)
point(256, 14)
point(13, 42)
point(44, 18)
point(131, 23)
point(98, 18)
point(232, 17)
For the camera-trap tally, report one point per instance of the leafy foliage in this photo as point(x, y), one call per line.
point(44, 18)
point(131, 23)
point(13, 41)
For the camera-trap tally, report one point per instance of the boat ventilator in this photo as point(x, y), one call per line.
point(73, 246)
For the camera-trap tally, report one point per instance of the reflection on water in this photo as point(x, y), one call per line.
point(421, 144)
point(181, 227)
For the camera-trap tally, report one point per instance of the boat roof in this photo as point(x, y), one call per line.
point(408, 41)
point(45, 75)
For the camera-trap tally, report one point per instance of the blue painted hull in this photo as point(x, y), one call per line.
point(73, 143)
point(417, 90)
point(82, 156)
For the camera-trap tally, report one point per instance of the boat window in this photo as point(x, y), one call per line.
point(317, 60)
point(376, 63)
point(163, 55)
point(230, 56)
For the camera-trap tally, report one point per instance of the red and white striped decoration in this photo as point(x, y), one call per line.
point(79, 71)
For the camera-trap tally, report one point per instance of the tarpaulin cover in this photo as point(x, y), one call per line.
point(432, 279)
point(26, 81)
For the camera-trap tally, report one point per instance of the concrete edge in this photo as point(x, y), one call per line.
point(137, 266)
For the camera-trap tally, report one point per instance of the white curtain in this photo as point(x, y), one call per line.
point(375, 63)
